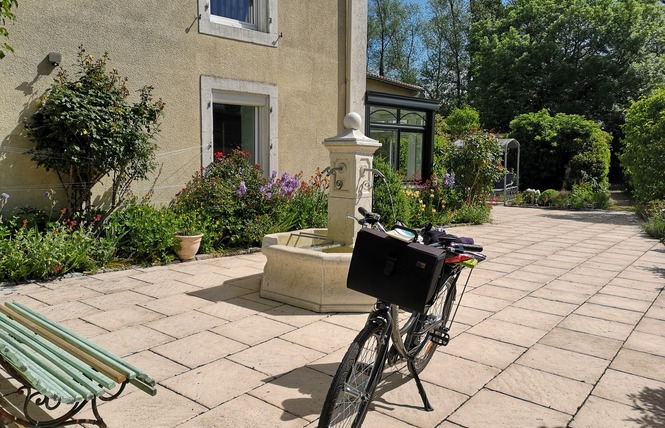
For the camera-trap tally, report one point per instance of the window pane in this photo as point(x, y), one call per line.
point(242, 10)
point(234, 127)
point(411, 155)
point(388, 149)
point(414, 118)
point(382, 115)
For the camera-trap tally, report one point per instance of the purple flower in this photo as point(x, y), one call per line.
point(4, 197)
point(288, 185)
point(242, 189)
point(47, 194)
point(449, 180)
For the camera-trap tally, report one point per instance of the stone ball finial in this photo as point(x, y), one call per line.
point(353, 121)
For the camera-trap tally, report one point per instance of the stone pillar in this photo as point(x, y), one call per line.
point(351, 154)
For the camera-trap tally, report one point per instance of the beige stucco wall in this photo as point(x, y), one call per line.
point(158, 43)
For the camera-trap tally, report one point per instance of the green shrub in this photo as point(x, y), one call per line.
point(389, 199)
point(601, 200)
point(241, 205)
point(558, 151)
point(86, 130)
point(64, 246)
point(462, 121)
point(655, 227)
point(472, 214)
point(643, 155)
point(519, 199)
point(561, 200)
point(477, 166)
point(145, 234)
point(583, 196)
point(547, 196)
point(653, 214)
point(429, 202)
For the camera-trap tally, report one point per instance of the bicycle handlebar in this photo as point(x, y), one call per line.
point(449, 242)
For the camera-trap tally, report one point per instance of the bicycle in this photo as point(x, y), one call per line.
point(393, 333)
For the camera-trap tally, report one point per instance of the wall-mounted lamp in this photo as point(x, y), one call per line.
point(54, 58)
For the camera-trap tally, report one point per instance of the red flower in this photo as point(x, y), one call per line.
point(57, 269)
point(25, 222)
point(202, 168)
point(218, 155)
point(98, 217)
point(63, 211)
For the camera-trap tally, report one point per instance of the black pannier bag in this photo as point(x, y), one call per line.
point(399, 272)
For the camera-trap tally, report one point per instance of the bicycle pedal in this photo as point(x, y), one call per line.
point(440, 339)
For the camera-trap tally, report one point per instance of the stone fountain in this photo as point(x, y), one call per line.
point(308, 268)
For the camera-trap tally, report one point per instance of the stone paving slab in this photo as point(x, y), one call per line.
point(563, 326)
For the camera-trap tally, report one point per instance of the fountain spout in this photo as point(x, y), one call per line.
point(363, 170)
point(333, 169)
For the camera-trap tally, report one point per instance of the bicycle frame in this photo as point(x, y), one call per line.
point(415, 342)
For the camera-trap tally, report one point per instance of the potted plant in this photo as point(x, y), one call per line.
point(189, 235)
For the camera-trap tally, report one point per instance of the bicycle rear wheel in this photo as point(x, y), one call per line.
point(418, 343)
point(354, 383)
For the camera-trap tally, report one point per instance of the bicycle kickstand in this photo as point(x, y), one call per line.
point(421, 390)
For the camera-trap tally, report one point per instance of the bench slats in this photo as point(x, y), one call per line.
point(90, 379)
point(60, 341)
point(42, 380)
point(111, 365)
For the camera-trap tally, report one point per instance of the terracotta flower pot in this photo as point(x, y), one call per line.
point(189, 246)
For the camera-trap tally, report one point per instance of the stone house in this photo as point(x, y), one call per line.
point(273, 77)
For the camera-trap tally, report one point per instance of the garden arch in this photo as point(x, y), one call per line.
point(509, 185)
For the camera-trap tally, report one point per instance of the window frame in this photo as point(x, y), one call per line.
point(263, 32)
point(240, 92)
point(404, 103)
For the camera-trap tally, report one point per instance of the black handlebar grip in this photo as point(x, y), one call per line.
point(470, 247)
point(363, 211)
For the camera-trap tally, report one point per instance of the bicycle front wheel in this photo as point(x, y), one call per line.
point(355, 381)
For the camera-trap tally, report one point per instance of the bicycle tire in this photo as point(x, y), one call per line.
point(439, 310)
point(355, 381)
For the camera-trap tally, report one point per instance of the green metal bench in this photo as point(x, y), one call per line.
point(56, 366)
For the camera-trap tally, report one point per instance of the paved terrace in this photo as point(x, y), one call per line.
point(564, 325)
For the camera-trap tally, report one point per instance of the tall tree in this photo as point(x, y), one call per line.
point(485, 9)
point(569, 56)
point(446, 66)
point(392, 39)
point(6, 14)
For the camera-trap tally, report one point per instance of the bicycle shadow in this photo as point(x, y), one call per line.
point(393, 378)
point(302, 390)
point(306, 389)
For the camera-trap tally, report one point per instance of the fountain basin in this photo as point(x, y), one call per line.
point(305, 269)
